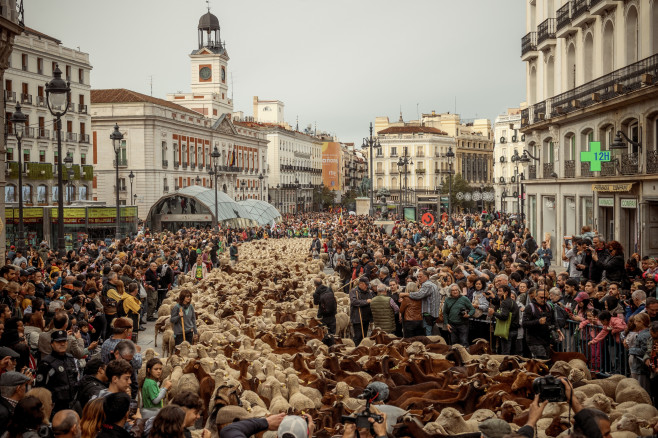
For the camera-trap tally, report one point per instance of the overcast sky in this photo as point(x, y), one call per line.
point(337, 63)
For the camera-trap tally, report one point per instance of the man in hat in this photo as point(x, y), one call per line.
point(58, 372)
point(8, 358)
point(12, 390)
point(360, 314)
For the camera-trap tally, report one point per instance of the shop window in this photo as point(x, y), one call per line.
point(42, 194)
point(82, 193)
point(10, 193)
point(27, 194)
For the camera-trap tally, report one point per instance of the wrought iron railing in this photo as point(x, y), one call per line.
point(546, 30)
point(629, 163)
point(608, 168)
point(539, 110)
point(585, 171)
point(580, 7)
point(564, 16)
point(652, 161)
point(529, 43)
point(549, 168)
point(570, 169)
point(532, 171)
point(525, 117)
point(84, 138)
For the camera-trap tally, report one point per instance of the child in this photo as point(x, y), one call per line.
point(84, 332)
point(637, 346)
point(152, 394)
point(588, 336)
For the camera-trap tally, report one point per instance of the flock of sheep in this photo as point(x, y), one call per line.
point(260, 347)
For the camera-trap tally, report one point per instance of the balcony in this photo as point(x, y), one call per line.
point(165, 163)
point(84, 138)
point(585, 171)
point(380, 172)
point(43, 133)
point(549, 169)
point(599, 7)
point(529, 46)
point(608, 169)
point(546, 33)
point(26, 99)
point(29, 133)
point(10, 96)
point(539, 110)
point(563, 20)
point(625, 80)
point(71, 107)
point(652, 161)
point(82, 109)
point(41, 101)
point(122, 162)
point(175, 164)
point(184, 165)
point(629, 163)
point(580, 13)
point(420, 171)
point(166, 189)
point(71, 136)
point(570, 169)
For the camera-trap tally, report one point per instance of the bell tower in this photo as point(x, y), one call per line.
point(209, 72)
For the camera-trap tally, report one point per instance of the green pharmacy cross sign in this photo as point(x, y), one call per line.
point(595, 156)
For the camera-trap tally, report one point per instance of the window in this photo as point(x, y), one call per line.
point(10, 154)
point(68, 72)
point(27, 194)
point(42, 156)
point(122, 153)
point(81, 76)
point(82, 193)
point(83, 158)
point(53, 67)
point(40, 66)
point(10, 193)
point(26, 155)
point(24, 61)
point(42, 194)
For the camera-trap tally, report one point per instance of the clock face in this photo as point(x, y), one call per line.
point(223, 74)
point(205, 73)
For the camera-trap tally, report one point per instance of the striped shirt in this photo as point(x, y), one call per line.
point(429, 293)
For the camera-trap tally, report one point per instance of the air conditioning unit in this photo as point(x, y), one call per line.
point(502, 159)
point(514, 139)
point(502, 139)
point(502, 179)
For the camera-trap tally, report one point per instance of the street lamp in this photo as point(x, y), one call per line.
point(402, 164)
point(243, 184)
point(260, 185)
point(214, 173)
point(58, 94)
point(116, 138)
point(450, 155)
point(18, 119)
point(524, 159)
point(135, 199)
point(297, 185)
point(618, 143)
point(132, 177)
point(371, 143)
point(278, 195)
point(68, 164)
point(482, 197)
point(198, 180)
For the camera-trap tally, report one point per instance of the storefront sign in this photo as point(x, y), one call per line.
point(606, 202)
point(71, 215)
point(107, 215)
point(186, 218)
point(622, 187)
point(31, 215)
point(629, 203)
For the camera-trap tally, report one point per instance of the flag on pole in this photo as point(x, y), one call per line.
point(340, 219)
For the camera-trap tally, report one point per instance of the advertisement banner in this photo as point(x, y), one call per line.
point(331, 165)
point(72, 215)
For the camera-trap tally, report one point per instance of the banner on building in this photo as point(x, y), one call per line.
point(620, 187)
point(331, 165)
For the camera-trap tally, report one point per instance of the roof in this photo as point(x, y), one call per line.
point(412, 129)
point(121, 95)
point(262, 212)
point(208, 22)
point(30, 31)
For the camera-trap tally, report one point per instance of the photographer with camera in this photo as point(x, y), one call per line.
point(540, 326)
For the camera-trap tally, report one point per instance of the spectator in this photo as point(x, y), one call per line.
point(93, 381)
point(539, 323)
point(637, 342)
point(456, 310)
point(13, 386)
point(46, 399)
point(118, 374)
point(27, 419)
point(383, 310)
point(411, 314)
point(430, 299)
point(183, 318)
point(66, 424)
point(152, 394)
point(92, 418)
point(117, 409)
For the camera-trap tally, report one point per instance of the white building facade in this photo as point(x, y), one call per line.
point(32, 63)
point(508, 140)
point(592, 69)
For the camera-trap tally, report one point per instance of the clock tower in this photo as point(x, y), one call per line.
point(209, 73)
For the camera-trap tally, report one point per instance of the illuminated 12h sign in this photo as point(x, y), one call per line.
point(595, 156)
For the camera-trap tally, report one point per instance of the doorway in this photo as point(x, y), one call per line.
point(628, 227)
point(607, 218)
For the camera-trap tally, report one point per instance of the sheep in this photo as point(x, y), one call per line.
point(628, 391)
point(633, 424)
point(451, 421)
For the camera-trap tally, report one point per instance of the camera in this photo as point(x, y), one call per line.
point(549, 388)
point(375, 391)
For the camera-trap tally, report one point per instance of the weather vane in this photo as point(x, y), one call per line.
point(208, 4)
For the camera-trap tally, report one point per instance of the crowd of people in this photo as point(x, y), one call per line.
point(70, 323)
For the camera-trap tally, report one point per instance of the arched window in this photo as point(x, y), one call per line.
point(608, 54)
point(82, 193)
point(571, 66)
point(421, 182)
point(10, 193)
point(69, 193)
point(55, 194)
point(589, 58)
point(27, 194)
point(631, 36)
point(654, 27)
point(42, 194)
point(532, 88)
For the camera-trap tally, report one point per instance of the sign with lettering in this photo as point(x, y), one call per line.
point(629, 203)
point(606, 202)
point(595, 156)
point(186, 218)
point(621, 187)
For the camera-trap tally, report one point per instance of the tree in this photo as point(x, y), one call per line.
point(349, 200)
point(324, 197)
point(459, 184)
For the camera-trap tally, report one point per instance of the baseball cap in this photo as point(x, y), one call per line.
point(581, 297)
point(292, 426)
point(13, 378)
point(58, 335)
point(495, 428)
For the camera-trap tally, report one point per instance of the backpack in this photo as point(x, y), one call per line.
point(328, 304)
point(121, 312)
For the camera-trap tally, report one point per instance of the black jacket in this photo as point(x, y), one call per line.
point(244, 428)
point(318, 300)
point(508, 306)
point(113, 431)
point(6, 412)
point(89, 386)
point(59, 375)
point(536, 333)
point(614, 267)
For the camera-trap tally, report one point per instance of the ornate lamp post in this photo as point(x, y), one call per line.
point(260, 185)
point(297, 186)
point(198, 180)
point(243, 184)
point(403, 164)
point(116, 138)
point(371, 143)
point(450, 155)
point(68, 164)
point(214, 173)
point(18, 119)
point(132, 177)
point(58, 94)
